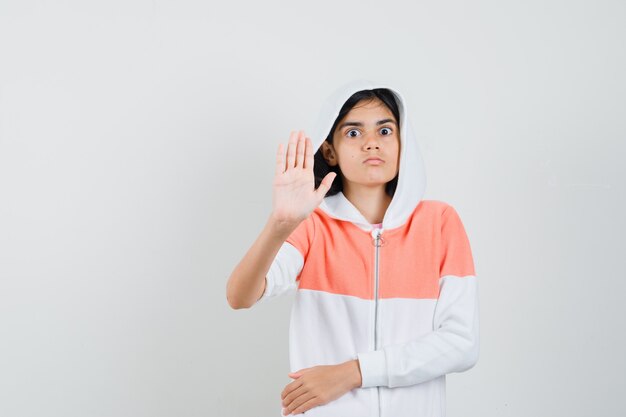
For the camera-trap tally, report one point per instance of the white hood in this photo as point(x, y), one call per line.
point(411, 173)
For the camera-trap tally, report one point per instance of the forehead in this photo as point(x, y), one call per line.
point(369, 110)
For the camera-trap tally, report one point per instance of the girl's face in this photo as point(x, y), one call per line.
point(369, 130)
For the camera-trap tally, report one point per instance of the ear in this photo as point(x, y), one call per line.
point(328, 152)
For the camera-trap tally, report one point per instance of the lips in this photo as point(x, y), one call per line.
point(373, 160)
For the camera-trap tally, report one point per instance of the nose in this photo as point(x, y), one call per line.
point(371, 141)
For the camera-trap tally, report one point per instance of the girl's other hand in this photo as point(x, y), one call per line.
point(319, 385)
point(294, 193)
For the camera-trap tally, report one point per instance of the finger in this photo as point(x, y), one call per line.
point(299, 372)
point(302, 397)
point(291, 150)
point(288, 401)
point(280, 159)
point(290, 387)
point(308, 154)
point(312, 402)
point(300, 150)
point(325, 184)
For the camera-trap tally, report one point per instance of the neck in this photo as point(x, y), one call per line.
point(371, 201)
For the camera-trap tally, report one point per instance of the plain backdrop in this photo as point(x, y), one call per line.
point(137, 146)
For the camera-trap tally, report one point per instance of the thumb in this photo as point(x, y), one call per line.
point(325, 184)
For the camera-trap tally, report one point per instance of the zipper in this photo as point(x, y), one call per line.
point(377, 243)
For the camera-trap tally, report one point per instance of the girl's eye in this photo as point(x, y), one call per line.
point(385, 131)
point(353, 133)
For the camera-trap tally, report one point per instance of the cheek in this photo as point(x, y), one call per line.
point(397, 150)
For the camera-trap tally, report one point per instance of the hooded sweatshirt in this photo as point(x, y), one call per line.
point(401, 298)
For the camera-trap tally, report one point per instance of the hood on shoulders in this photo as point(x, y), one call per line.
point(411, 172)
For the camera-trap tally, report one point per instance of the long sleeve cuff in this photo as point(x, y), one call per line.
point(373, 369)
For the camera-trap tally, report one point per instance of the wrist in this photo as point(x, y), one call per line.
point(281, 226)
point(354, 373)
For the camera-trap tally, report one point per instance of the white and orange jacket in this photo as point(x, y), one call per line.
point(402, 299)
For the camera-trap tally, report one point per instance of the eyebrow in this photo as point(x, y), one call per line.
point(359, 124)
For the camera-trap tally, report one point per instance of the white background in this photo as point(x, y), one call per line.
point(137, 145)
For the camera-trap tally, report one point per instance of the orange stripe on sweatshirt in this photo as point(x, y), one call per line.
point(340, 257)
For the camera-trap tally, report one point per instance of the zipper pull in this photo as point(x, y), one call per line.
point(377, 240)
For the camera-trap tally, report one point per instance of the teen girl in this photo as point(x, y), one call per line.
point(385, 290)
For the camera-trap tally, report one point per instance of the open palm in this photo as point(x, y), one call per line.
point(294, 193)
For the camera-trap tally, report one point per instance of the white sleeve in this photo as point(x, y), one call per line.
point(283, 273)
point(451, 347)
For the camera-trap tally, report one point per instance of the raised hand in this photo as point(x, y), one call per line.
point(294, 193)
